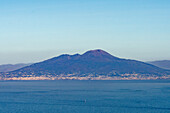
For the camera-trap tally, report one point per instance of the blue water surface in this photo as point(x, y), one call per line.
point(71, 96)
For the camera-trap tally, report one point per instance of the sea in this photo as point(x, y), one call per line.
point(74, 96)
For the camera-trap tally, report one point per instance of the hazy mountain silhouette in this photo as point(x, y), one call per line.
point(161, 63)
point(12, 67)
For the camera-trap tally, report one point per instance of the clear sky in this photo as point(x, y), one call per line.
point(34, 30)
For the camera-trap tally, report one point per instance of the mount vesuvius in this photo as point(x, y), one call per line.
point(93, 64)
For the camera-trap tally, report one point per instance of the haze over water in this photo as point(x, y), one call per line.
point(65, 96)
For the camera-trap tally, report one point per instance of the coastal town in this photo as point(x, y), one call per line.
point(88, 77)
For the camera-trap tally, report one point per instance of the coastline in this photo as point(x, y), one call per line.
point(86, 78)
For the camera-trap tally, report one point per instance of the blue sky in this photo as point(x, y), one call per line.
point(34, 30)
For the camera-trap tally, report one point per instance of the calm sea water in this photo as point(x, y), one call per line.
point(85, 96)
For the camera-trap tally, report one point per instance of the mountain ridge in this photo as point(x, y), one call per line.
point(165, 64)
point(94, 63)
point(12, 67)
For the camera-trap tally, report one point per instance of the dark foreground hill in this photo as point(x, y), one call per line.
point(162, 64)
point(92, 63)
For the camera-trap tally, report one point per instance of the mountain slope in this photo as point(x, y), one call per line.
point(96, 62)
point(162, 64)
point(11, 67)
